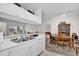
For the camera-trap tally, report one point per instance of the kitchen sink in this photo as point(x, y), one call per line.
point(21, 40)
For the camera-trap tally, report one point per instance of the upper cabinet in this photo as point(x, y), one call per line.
point(11, 10)
point(8, 8)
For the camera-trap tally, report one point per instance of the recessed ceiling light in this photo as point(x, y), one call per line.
point(63, 15)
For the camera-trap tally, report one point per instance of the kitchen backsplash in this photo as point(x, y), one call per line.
point(24, 27)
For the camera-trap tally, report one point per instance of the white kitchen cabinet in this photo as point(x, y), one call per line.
point(5, 53)
point(31, 48)
point(8, 8)
point(14, 11)
point(20, 50)
point(24, 14)
point(23, 50)
point(17, 51)
point(37, 46)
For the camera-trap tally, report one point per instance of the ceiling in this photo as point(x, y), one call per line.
point(50, 10)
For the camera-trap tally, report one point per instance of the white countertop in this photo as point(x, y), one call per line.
point(7, 44)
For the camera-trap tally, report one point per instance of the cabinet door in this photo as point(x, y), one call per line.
point(32, 48)
point(39, 46)
point(16, 51)
point(5, 53)
point(27, 49)
point(8, 8)
point(20, 50)
point(36, 48)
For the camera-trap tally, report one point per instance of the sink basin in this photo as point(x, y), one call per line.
point(21, 40)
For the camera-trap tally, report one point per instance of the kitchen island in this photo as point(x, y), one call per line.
point(31, 47)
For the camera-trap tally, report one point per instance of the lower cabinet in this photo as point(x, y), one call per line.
point(32, 48)
point(5, 53)
point(37, 46)
point(20, 51)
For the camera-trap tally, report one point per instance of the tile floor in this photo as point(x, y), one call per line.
point(48, 53)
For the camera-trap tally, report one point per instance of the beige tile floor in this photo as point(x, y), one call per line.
point(48, 53)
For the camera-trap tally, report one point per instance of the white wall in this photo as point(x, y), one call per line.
point(40, 28)
point(34, 28)
point(30, 28)
point(73, 20)
point(47, 28)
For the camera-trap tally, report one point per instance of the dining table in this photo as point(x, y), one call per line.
point(69, 41)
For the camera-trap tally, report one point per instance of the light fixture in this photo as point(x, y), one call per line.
point(64, 15)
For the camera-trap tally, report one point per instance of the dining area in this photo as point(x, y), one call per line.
point(65, 42)
point(63, 39)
